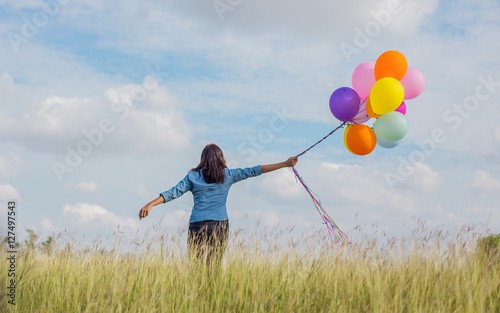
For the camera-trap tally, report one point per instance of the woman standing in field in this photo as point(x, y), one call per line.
point(210, 182)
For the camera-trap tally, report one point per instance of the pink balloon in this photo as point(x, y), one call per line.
point(413, 83)
point(402, 108)
point(362, 116)
point(363, 79)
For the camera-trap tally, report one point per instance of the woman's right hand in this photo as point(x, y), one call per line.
point(145, 211)
point(291, 161)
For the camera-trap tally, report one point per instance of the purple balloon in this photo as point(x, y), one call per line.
point(344, 104)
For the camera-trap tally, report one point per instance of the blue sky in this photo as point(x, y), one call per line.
point(223, 81)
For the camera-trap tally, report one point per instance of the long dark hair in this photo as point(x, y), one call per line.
point(213, 164)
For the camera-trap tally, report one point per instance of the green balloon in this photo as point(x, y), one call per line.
point(391, 126)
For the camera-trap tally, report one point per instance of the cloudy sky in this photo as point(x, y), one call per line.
point(105, 104)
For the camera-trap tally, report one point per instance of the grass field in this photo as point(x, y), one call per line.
point(432, 271)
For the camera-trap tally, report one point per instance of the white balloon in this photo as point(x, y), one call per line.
point(386, 143)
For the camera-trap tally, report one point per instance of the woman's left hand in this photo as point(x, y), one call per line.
point(291, 161)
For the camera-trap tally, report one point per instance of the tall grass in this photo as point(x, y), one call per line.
point(268, 271)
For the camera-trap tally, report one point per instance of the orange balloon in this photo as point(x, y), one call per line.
point(369, 110)
point(391, 64)
point(360, 139)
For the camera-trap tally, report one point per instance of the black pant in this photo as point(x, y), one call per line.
point(208, 238)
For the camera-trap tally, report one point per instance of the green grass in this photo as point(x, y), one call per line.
point(432, 272)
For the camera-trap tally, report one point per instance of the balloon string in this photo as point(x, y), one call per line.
point(334, 233)
point(358, 118)
point(303, 152)
point(337, 236)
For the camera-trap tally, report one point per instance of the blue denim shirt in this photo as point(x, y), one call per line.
point(209, 199)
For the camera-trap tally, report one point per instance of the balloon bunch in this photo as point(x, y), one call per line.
point(379, 90)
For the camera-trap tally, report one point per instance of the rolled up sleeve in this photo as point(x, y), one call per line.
point(239, 174)
point(178, 190)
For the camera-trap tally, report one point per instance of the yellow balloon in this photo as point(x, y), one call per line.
point(345, 136)
point(386, 95)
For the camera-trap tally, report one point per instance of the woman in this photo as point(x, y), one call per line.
point(210, 182)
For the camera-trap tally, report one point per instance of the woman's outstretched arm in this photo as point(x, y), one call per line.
point(272, 167)
point(175, 192)
point(145, 210)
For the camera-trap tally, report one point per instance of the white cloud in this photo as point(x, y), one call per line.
point(412, 15)
point(10, 167)
point(497, 134)
point(47, 225)
point(483, 182)
point(267, 218)
point(424, 178)
point(317, 17)
point(7, 192)
point(7, 83)
point(52, 119)
point(84, 186)
point(176, 218)
point(32, 4)
point(473, 215)
point(281, 184)
point(154, 121)
point(144, 193)
point(299, 220)
point(363, 188)
point(489, 216)
point(93, 214)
